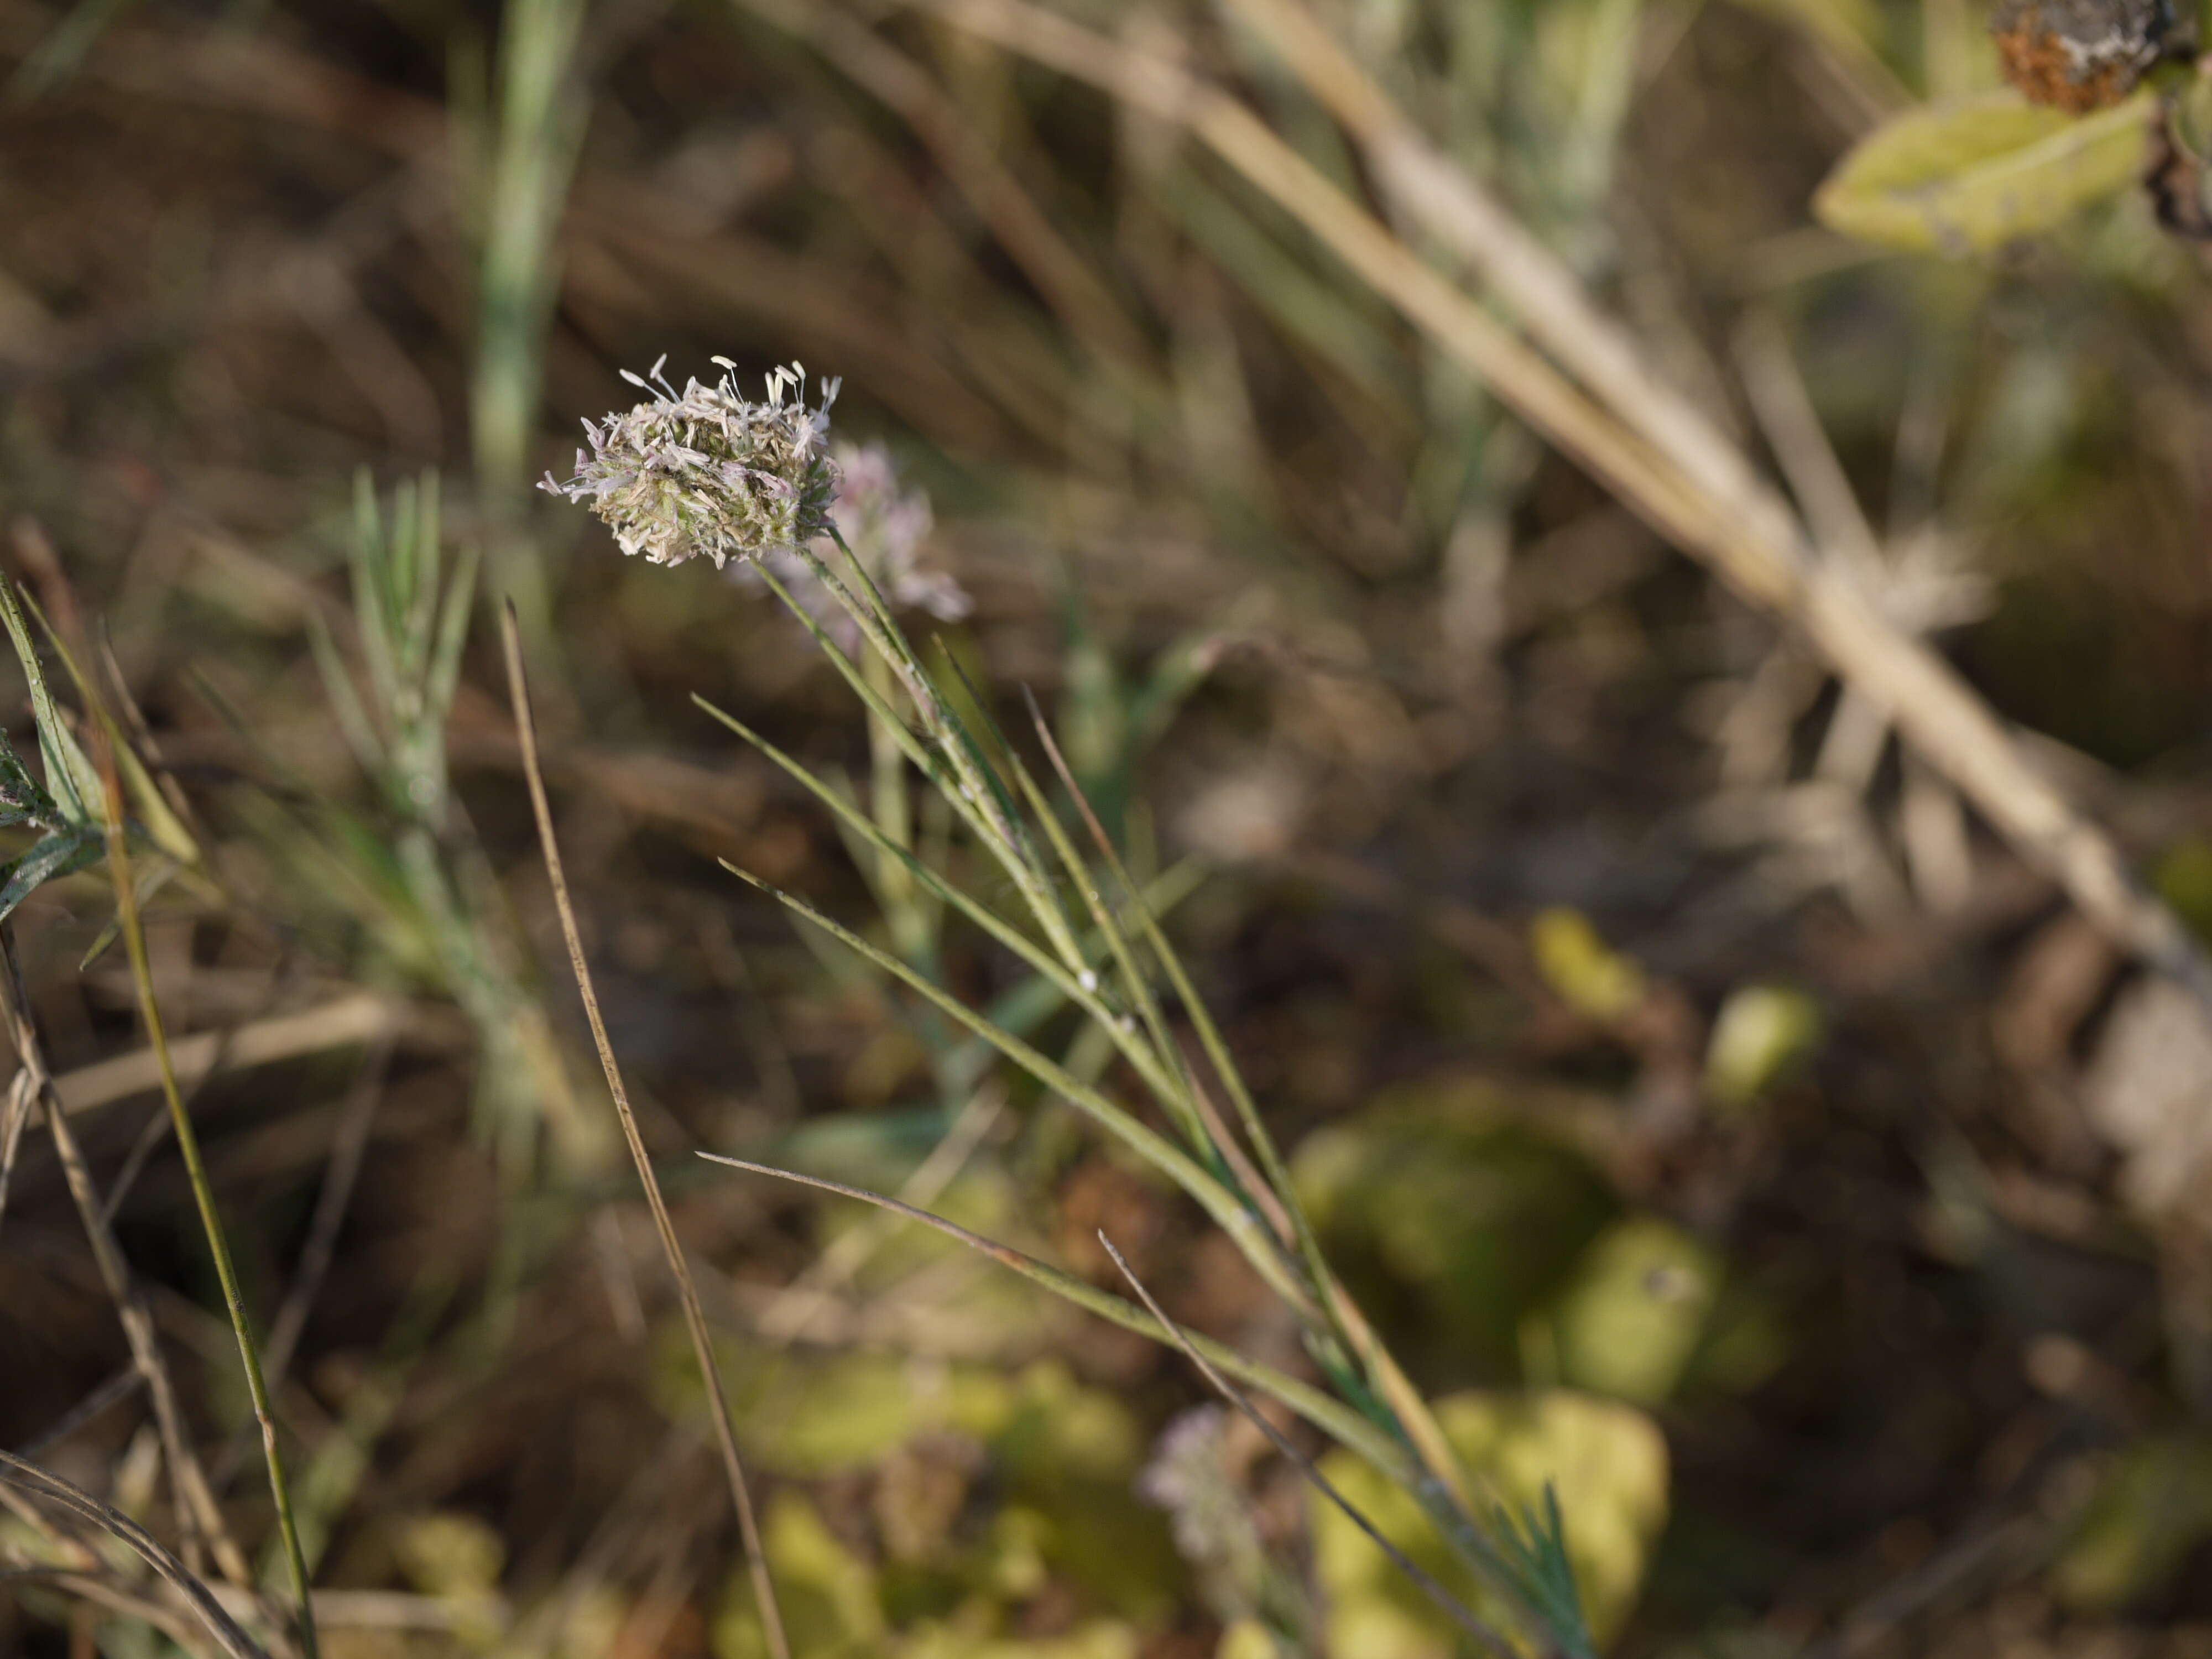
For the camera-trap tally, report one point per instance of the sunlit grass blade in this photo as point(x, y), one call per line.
point(1156, 1149)
point(1448, 1604)
point(1331, 1416)
point(1070, 984)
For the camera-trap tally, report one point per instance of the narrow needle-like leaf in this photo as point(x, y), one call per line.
point(1449, 1604)
point(1070, 984)
point(1147, 1143)
point(30, 1477)
point(1331, 1416)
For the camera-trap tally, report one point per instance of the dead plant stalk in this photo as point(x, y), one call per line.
point(695, 1317)
point(1664, 459)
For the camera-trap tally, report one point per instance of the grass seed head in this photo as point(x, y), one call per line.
point(702, 472)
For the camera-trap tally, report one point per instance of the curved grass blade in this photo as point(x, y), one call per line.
point(18, 1472)
point(1448, 1604)
point(1069, 985)
point(58, 855)
point(1331, 1416)
point(1154, 1148)
point(70, 780)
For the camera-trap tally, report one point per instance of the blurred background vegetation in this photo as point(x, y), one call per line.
point(1723, 1123)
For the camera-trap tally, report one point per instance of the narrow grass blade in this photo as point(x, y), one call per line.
point(963, 794)
point(370, 560)
point(1331, 1416)
point(30, 1477)
point(1070, 984)
point(1448, 1604)
point(1147, 1143)
point(1133, 980)
point(978, 779)
point(345, 703)
point(21, 798)
point(61, 853)
point(70, 777)
point(141, 972)
point(14, 1113)
point(1194, 1008)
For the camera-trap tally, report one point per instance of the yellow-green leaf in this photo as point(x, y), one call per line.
point(1965, 177)
point(1577, 963)
point(1606, 1460)
point(1630, 1320)
point(1761, 1032)
point(2151, 1510)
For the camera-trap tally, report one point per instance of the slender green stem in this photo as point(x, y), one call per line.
point(134, 939)
point(892, 812)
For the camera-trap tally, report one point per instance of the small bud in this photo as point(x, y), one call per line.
point(885, 526)
point(2082, 55)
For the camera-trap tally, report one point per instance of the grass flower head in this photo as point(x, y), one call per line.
point(703, 472)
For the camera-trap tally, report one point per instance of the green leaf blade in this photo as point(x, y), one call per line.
point(62, 853)
point(1966, 179)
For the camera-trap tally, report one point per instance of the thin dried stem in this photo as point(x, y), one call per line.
point(695, 1317)
point(1611, 412)
point(13, 1117)
point(201, 1518)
